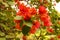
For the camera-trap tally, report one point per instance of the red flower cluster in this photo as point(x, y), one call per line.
point(36, 25)
point(17, 24)
point(44, 16)
point(26, 12)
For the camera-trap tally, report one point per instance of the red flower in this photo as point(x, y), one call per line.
point(47, 23)
point(18, 26)
point(33, 30)
point(26, 12)
point(24, 37)
point(23, 8)
point(32, 11)
point(50, 30)
point(42, 10)
point(19, 13)
point(58, 36)
point(27, 17)
point(17, 21)
point(36, 24)
point(45, 18)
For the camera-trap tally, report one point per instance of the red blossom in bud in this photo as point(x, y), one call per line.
point(26, 12)
point(18, 13)
point(27, 17)
point(42, 10)
point(50, 30)
point(46, 20)
point(24, 37)
point(47, 23)
point(58, 36)
point(36, 24)
point(22, 8)
point(44, 16)
point(33, 30)
point(18, 26)
point(32, 11)
point(17, 21)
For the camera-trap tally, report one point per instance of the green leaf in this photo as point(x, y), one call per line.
point(6, 5)
point(28, 23)
point(2, 34)
point(5, 27)
point(2, 38)
point(38, 33)
point(11, 3)
point(57, 0)
point(18, 18)
point(43, 32)
point(25, 30)
point(11, 35)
